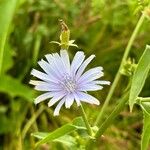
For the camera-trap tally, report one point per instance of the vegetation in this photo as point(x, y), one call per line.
point(117, 32)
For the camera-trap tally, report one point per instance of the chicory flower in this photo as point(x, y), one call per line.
point(66, 82)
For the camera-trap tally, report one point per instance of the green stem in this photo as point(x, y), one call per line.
point(2, 42)
point(36, 48)
point(143, 99)
point(118, 75)
point(31, 121)
point(89, 130)
point(113, 115)
point(109, 120)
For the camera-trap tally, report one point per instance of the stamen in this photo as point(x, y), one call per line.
point(68, 83)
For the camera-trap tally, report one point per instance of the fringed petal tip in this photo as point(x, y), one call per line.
point(58, 107)
point(35, 102)
point(56, 114)
point(33, 72)
point(106, 82)
point(68, 107)
point(31, 82)
point(49, 104)
point(101, 82)
point(97, 102)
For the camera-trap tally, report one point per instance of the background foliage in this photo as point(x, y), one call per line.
point(99, 27)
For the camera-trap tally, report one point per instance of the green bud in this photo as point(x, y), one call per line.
point(146, 12)
point(64, 36)
point(128, 67)
point(65, 41)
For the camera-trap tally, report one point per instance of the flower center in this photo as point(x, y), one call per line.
point(68, 83)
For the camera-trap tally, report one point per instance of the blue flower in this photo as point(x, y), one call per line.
point(66, 82)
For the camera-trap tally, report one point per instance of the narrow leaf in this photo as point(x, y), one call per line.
point(139, 76)
point(40, 135)
point(145, 106)
point(146, 132)
point(57, 133)
point(7, 9)
point(66, 139)
point(7, 59)
point(77, 124)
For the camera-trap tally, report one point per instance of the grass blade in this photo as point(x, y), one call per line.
point(7, 9)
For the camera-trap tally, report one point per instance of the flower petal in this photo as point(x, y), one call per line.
point(55, 64)
point(89, 87)
point(83, 66)
point(69, 100)
point(59, 64)
point(36, 82)
point(49, 70)
point(77, 61)
point(76, 98)
point(87, 98)
point(43, 97)
point(102, 82)
point(65, 59)
point(48, 87)
point(56, 98)
point(58, 107)
point(91, 75)
point(49, 58)
point(42, 75)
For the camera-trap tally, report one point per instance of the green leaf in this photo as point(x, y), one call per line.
point(7, 9)
point(4, 125)
point(40, 135)
point(7, 59)
point(66, 139)
point(78, 122)
point(145, 106)
point(57, 133)
point(146, 132)
point(64, 130)
point(14, 88)
point(139, 76)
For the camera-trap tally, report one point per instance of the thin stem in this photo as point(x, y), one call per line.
point(89, 130)
point(118, 75)
point(36, 48)
point(2, 42)
point(64, 46)
point(113, 115)
point(109, 120)
point(31, 121)
point(99, 118)
point(143, 99)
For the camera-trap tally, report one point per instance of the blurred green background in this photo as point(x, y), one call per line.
point(100, 27)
